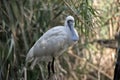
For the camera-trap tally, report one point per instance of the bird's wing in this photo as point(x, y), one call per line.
point(52, 42)
point(45, 42)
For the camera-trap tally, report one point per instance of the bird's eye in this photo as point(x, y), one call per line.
point(70, 21)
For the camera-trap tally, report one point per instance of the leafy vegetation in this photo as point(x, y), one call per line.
point(22, 22)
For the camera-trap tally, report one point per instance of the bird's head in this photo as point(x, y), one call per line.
point(69, 23)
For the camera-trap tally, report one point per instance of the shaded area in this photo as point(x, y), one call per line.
point(117, 65)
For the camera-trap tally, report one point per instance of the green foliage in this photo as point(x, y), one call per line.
point(22, 22)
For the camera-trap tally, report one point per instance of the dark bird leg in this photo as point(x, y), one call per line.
point(52, 66)
point(49, 65)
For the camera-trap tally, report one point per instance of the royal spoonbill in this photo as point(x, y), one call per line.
point(53, 43)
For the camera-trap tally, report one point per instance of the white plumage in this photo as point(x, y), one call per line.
point(53, 43)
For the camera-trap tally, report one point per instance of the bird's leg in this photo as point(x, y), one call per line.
point(49, 64)
point(52, 66)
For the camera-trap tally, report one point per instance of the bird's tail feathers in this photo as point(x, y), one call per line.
point(30, 56)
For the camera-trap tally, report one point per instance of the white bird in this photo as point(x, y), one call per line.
point(53, 43)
